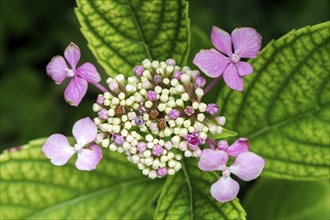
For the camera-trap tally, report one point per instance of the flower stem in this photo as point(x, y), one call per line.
point(211, 142)
point(209, 86)
point(100, 87)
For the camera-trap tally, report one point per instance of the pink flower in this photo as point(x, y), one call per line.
point(247, 167)
point(194, 140)
point(58, 70)
point(223, 62)
point(59, 151)
point(239, 146)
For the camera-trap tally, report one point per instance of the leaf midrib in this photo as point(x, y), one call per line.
point(191, 198)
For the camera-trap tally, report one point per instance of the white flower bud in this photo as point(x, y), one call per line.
point(149, 138)
point(221, 120)
point(158, 89)
point(146, 171)
point(115, 101)
point(171, 171)
point(195, 105)
point(161, 107)
point(199, 93)
point(179, 102)
point(120, 78)
point(185, 97)
point(135, 159)
point(164, 158)
point(203, 135)
point(105, 143)
point(187, 154)
point(171, 163)
point(177, 166)
point(130, 88)
point(107, 95)
point(148, 161)
point(202, 107)
point(178, 156)
point(200, 117)
point(175, 140)
point(113, 147)
point(174, 82)
point(124, 133)
point(183, 132)
point(179, 89)
point(187, 123)
point(140, 166)
point(166, 81)
point(152, 174)
point(96, 107)
point(97, 121)
point(148, 104)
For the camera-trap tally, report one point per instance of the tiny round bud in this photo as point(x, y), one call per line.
point(212, 109)
point(222, 145)
point(170, 62)
point(157, 150)
point(117, 139)
point(174, 114)
point(162, 171)
point(200, 82)
point(177, 75)
point(138, 70)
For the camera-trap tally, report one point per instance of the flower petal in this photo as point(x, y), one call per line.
point(225, 189)
point(84, 131)
point(211, 62)
point(232, 79)
point(221, 40)
point(72, 55)
point(212, 160)
point(57, 69)
point(247, 166)
point(239, 146)
point(244, 68)
point(58, 149)
point(89, 158)
point(246, 41)
point(88, 72)
point(75, 91)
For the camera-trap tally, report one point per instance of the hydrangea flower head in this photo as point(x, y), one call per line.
point(58, 149)
point(226, 63)
point(58, 70)
point(156, 116)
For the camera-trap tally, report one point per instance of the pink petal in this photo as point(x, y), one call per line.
point(239, 146)
point(246, 41)
point(212, 160)
point(232, 79)
point(57, 69)
point(211, 62)
point(221, 40)
point(247, 166)
point(244, 68)
point(89, 158)
point(225, 189)
point(88, 72)
point(58, 149)
point(75, 91)
point(84, 131)
point(72, 55)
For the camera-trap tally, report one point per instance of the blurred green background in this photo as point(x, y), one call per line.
point(33, 31)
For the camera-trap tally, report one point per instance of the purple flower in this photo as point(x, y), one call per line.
point(246, 43)
point(199, 82)
point(174, 114)
point(162, 171)
point(189, 110)
point(177, 74)
point(212, 109)
point(157, 150)
point(247, 167)
point(139, 121)
point(100, 100)
point(141, 146)
point(152, 95)
point(194, 140)
point(103, 114)
point(58, 70)
point(59, 151)
point(138, 70)
point(117, 139)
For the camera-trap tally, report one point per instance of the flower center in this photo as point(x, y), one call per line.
point(70, 73)
point(77, 147)
point(234, 58)
point(226, 172)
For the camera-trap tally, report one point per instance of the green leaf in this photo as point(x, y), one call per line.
point(122, 33)
point(32, 188)
point(285, 107)
point(224, 134)
point(272, 199)
point(186, 195)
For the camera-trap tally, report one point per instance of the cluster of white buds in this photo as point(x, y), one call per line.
point(156, 116)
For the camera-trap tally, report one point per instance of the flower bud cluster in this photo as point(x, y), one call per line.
point(156, 116)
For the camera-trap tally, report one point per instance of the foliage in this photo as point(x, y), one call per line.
point(284, 110)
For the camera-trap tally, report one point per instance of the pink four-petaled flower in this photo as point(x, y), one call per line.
point(224, 62)
point(58, 149)
point(247, 166)
point(58, 70)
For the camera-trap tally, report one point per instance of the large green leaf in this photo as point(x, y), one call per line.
point(284, 109)
point(122, 33)
point(32, 188)
point(272, 199)
point(187, 196)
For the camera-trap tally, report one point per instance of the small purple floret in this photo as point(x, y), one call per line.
point(158, 78)
point(103, 114)
point(170, 62)
point(200, 82)
point(162, 171)
point(177, 74)
point(141, 147)
point(174, 114)
point(100, 100)
point(157, 150)
point(189, 110)
point(152, 95)
point(195, 73)
point(118, 139)
point(138, 70)
point(139, 121)
point(212, 109)
point(194, 140)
